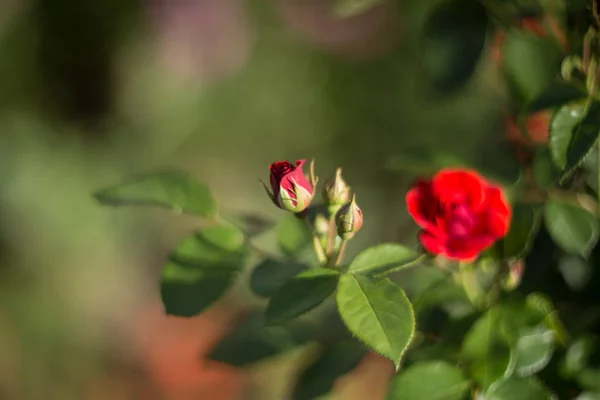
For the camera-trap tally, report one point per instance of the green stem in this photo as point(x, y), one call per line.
point(319, 251)
point(332, 233)
point(598, 173)
point(340, 254)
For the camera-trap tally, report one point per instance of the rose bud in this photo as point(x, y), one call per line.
point(336, 191)
point(459, 212)
point(512, 279)
point(290, 189)
point(349, 220)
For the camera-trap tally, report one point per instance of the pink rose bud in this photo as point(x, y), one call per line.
point(349, 220)
point(290, 189)
point(336, 191)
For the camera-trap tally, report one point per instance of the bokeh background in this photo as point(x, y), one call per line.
point(92, 92)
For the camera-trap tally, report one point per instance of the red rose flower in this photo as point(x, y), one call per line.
point(460, 212)
point(291, 190)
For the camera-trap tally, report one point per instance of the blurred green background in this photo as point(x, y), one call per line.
point(93, 92)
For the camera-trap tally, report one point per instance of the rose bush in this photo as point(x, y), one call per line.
point(460, 213)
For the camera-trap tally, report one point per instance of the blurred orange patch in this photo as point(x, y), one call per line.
point(172, 350)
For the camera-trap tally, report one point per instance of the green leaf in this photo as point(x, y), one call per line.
point(431, 380)
point(252, 342)
point(381, 258)
point(304, 292)
point(514, 388)
point(578, 354)
point(575, 271)
point(573, 228)
point(545, 172)
point(533, 351)
point(584, 138)
point(525, 222)
point(453, 41)
point(486, 350)
point(201, 269)
point(175, 190)
point(562, 127)
point(292, 235)
point(540, 303)
point(531, 64)
point(351, 8)
point(336, 360)
point(268, 276)
point(558, 94)
point(588, 396)
point(378, 313)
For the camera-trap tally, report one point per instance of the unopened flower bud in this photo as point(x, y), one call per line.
point(514, 274)
point(349, 220)
point(336, 191)
point(290, 189)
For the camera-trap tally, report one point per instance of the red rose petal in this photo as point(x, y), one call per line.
point(467, 249)
point(460, 186)
point(421, 205)
point(432, 243)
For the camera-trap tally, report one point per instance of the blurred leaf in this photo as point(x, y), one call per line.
point(531, 64)
point(578, 354)
point(175, 190)
point(575, 271)
point(270, 275)
point(378, 313)
point(558, 94)
point(573, 228)
point(292, 235)
point(562, 127)
point(252, 342)
point(453, 41)
point(545, 172)
point(381, 258)
point(201, 269)
point(524, 224)
point(589, 379)
point(252, 224)
point(304, 292)
point(429, 381)
point(539, 302)
point(336, 360)
point(588, 396)
point(351, 8)
point(486, 350)
point(533, 351)
point(514, 388)
point(584, 138)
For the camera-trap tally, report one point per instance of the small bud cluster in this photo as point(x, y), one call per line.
point(293, 191)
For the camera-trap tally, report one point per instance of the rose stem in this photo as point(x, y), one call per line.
point(316, 243)
point(340, 254)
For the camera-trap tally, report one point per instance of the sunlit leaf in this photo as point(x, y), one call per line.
point(429, 381)
point(381, 258)
point(175, 190)
point(350, 8)
point(378, 313)
point(305, 291)
point(533, 351)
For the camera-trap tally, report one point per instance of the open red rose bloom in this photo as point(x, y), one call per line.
point(460, 212)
